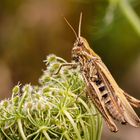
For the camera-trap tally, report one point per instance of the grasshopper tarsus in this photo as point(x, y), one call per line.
point(72, 65)
point(133, 101)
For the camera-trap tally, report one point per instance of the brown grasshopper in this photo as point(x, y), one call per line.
point(111, 101)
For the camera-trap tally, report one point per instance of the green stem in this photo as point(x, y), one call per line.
point(73, 124)
point(21, 129)
point(36, 137)
point(35, 133)
point(67, 136)
point(29, 116)
point(130, 14)
point(22, 100)
point(8, 138)
point(53, 79)
point(93, 121)
point(86, 132)
point(46, 135)
point(100, 127)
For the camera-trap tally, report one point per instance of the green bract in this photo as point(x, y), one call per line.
point(56, 109)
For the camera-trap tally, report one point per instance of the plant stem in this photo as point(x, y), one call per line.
point(67, 136)
point(46, 134)
point(130, 14)
point(21, 130)
point(8, 138)
point(73, 124)
point(22, 100)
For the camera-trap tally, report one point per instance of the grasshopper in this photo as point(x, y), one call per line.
point(111, 101)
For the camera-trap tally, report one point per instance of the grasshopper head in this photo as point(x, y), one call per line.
point(78, 48)
point(81, 45)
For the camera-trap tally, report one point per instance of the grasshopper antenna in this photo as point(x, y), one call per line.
point(80, 22)
point(71, 27)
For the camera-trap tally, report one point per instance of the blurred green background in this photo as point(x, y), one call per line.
point(32, 29)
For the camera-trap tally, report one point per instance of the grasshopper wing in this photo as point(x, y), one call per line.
point(128, 112)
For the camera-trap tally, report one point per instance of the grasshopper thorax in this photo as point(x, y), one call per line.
point(78, 48)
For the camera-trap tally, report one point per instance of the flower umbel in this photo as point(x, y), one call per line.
point(56, 109)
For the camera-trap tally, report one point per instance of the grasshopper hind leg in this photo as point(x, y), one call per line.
point(101, 108)
point(108, 119)
point(133, 101)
